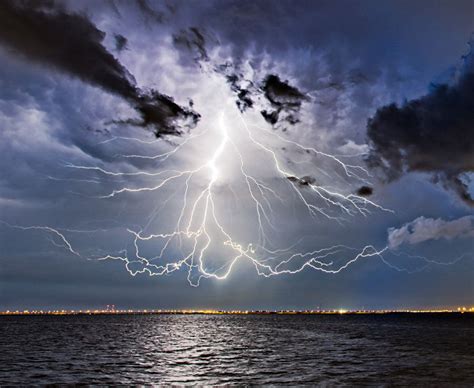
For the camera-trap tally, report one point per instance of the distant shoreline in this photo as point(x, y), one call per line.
point(233, 312)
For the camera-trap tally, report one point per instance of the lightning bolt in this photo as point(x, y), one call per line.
point(201, 222)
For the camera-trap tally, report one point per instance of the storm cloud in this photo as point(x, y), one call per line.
point(432, 134)
point(45, 33)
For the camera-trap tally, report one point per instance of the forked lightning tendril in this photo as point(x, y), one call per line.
point(201, 220)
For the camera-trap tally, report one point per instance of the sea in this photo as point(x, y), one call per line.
point(325, 350)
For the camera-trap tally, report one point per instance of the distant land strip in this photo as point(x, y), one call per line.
point(113, 311)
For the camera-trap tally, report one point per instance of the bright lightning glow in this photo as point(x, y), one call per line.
point(248, 163)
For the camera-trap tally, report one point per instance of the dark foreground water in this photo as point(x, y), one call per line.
point(329, 350)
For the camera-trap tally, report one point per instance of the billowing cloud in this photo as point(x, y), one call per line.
point(432, 134)
point(71, 43)
point(425, 229)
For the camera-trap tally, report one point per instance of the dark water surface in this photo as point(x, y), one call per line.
point(204, 349)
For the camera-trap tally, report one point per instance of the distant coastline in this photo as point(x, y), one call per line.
point(458, 310)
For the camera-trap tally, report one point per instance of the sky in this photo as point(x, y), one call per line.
point(236, 154)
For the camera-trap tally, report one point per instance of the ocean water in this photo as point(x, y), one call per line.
point(398, 349)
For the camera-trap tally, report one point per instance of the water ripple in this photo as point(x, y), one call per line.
point(215, 350)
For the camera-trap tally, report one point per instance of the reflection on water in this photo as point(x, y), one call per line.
point(396, 349)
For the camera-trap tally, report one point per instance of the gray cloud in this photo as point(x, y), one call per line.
point(149, 12)
point(425, 229)
point(193, 41)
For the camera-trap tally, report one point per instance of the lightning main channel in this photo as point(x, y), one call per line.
point(202, 239)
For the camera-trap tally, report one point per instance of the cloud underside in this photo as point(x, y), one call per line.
point(46, 34)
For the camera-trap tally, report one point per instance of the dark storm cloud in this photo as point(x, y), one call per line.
point(71, 43)
point(121, 42)
point(432, 134)
point(303, 181)
point(281, 94)
point(365, 191)
point(244, 95)
point(284, 99)
point(345, 68)
point(244, 89)
point(161, 112)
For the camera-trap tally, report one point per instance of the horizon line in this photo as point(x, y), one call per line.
point(112, 311)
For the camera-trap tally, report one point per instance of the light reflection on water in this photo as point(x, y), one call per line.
point(203, 349)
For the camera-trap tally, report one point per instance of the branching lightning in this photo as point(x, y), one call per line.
point(201, 227)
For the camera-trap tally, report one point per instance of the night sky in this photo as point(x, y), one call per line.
point(236, 154)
